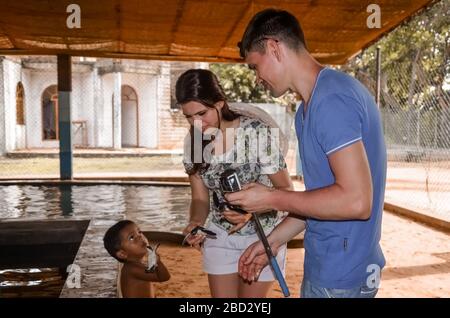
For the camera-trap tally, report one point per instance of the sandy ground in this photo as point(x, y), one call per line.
point(418, 265)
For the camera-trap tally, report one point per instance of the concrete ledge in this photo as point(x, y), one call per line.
point(172, 180)
point(157, 181)
point(91, 153)
point(438, 224)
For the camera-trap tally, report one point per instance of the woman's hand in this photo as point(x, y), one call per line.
point(194, 240)
point(236, 218)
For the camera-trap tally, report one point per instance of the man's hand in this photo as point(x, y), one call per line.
point(253, 260)
point(254, 197)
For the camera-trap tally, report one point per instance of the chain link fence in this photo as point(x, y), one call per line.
point(415, 110)
point(123, 116)
point(141, 133)
point(28, 104)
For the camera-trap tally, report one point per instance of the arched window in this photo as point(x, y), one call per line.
point(50, 113)
point(128, 93)
point(20, 112)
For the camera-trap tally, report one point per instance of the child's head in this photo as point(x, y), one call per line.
point(125, 241)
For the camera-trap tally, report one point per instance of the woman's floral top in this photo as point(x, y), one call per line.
point(250, 165)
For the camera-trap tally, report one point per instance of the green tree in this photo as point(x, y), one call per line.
point(414, 76)
point(239, 84)
point(424, 41)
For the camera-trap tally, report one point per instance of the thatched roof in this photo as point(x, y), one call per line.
point(195, 30)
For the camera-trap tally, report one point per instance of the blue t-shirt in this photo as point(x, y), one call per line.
point(341, 111)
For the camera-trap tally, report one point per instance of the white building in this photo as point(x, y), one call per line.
point(144, 116)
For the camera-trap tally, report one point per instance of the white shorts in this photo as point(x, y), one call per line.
point(221, 255)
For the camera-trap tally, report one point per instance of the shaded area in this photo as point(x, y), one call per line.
point(32, 282)
point(35, 256)
point(421, 270)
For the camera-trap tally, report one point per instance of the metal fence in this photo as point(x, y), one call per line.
point(123, 117)
point(125, 121)
point(416, 119)
point(145, 135)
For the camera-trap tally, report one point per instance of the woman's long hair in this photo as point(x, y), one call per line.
point(202, 86)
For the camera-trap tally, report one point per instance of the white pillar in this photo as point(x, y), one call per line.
point(117, 108)
point(98, 108)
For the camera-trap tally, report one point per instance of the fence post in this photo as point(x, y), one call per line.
point(378, 89)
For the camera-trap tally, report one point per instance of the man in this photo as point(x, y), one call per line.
point(343, 159)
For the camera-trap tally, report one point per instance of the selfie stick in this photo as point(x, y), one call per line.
point(272, 259)
point(233, 178)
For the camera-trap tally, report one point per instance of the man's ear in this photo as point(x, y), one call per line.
point(121, 254)
point(274, 48)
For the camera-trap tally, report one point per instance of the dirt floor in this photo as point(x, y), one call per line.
point(418, 265)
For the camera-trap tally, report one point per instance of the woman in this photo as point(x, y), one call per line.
point(204, 104)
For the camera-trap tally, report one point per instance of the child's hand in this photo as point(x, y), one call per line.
point(153, 259)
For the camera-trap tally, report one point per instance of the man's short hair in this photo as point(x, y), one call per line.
point(112, 240)
point(271, 24)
